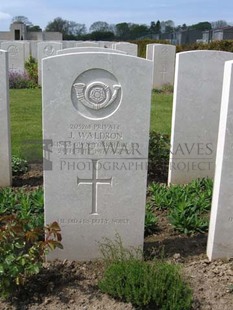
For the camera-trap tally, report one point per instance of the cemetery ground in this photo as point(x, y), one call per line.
point(181, 241)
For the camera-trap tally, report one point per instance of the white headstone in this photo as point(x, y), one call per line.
point(129, 48)
point(106, 44)
point(88, 49)
point(33, 49)
point(5, 142)
point(96, 113)
point(16, 52)
point(163, 56)
point(46, 49)
point(220, 241)
point(87, 44)
point(196, 110)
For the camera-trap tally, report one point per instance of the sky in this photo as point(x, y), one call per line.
point(40, 12)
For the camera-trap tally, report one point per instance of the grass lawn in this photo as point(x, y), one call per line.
point(26, 120)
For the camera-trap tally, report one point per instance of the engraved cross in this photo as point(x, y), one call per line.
point(94, 181)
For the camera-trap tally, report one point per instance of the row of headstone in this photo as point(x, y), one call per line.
point(5, 140)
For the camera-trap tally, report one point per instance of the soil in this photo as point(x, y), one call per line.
point(73, 285)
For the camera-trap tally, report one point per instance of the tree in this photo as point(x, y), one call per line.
point(219, 24)
point(99, 26)
point(35, 28)
point(155, 28)
point(69, 29)
point(21, 19)
point(201, 26)
point(122, 31)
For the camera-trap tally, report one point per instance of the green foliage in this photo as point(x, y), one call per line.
point(165, 89)
point(19, 165)
point(143, 43)
point(223, 45)
point(156, 284)
point(188, 205)
point(27, 206)
point(20, 80)
point(150, 220)
point(31, 66)
point(22, 251)
point(159, 147)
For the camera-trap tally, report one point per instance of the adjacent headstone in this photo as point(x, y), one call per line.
point(196, 110)
point(5, 142)
point(87, 44)
point(96, 115)
point(220, 241)
point(16, 52)
point(33, 49)
point(88, 49)
point(106, 44)
point(129, 48)
point(46, 49)
point(163, 56)
point(68, 44)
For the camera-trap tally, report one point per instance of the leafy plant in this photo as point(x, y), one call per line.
point(150, 220)
point(22, 251)
point(188, 205)
point(25, 205)
point(19, 80)
point(159, 147)
point(31, 66)
point(165, 89)
point(19, 165)
point(156, 284)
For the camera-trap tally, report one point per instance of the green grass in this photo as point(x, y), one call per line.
point(26, 120)
point(161, 111)
point(26, 123)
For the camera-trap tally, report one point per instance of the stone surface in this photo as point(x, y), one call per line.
point(129, 48)
point(196, 110)
point(46, 49)
point(5, 142)
point(163, 56)
point(220, 241)
point(88, 49)
point(16, 54)
point(87, 44)
point(96, 112)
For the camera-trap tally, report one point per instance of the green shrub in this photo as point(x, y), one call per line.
point(188, 205)
point(150, 220)
point(19, 80)
point(158, 161)
point(28, 206)
point(22, 251)
point(157, 284)
point(19, 165)
point(31, 66)
point(129, 278)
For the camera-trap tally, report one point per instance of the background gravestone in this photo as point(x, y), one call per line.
point(46, 49)
point(129, 48)
point(88, 49)
point(16, 52)
point(220, 242)
point(163, 57)
point(5, 142)
point(96, 115)
point(87, 44)
point(196, 110)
